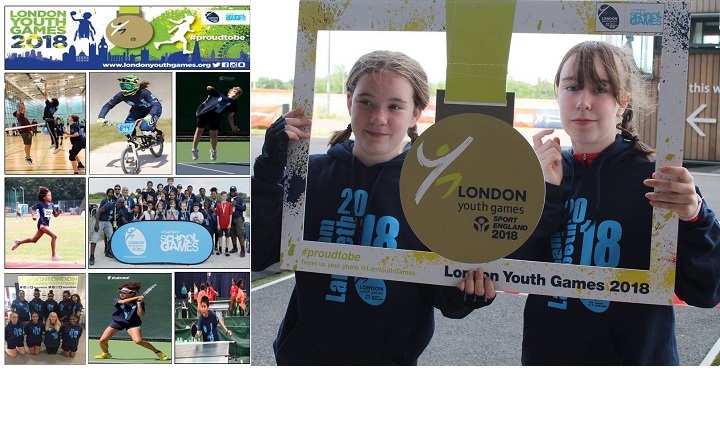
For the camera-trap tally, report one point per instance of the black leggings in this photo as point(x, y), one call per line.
point(50, 124)
point(51, 350)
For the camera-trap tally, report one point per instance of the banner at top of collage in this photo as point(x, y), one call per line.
point(127, 37)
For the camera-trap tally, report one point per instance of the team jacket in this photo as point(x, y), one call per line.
point(337, 319)
point(606, 202)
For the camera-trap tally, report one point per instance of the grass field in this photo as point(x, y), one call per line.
point(70, 230)
point(228, 151)
point(128, 352)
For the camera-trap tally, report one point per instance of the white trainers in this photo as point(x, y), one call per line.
point(56, 150)
point(195, 154)
point(56, 258)
point(213, 154)
point(29, 160)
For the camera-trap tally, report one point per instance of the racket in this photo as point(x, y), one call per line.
point(149, 289)
point(193, 330)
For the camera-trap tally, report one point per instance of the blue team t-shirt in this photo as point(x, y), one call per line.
point(126, 313)
point(52, 338)
point(217, 102)
point(46, 213)
point(208, 326)
point(22, 308)
point(75, 128)
point(71, 335)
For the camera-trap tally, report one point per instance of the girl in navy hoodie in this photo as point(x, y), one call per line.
point(33, 334)
point(14, 336)
point(328, 321)
point(604, 186)
point(52, 333)
point(71, 334)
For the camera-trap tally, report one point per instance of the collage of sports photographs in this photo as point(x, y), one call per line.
point(126, 192)
point(384, 209)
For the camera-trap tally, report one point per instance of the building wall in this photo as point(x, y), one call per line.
point(703, 91)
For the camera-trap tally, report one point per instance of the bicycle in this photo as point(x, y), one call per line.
point(129, 159)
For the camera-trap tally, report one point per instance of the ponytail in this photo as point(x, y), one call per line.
point(626, 130)
point(413, 134)
point(340, 136)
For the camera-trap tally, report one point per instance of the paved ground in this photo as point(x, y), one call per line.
point(106, 160)
point(493, 335)
point(489, 336)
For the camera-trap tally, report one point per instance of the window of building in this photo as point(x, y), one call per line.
point(705, 30)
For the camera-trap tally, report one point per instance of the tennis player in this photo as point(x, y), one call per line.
point(129, 308)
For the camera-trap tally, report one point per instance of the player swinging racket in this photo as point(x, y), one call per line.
point(209, 114)
point(129, 308)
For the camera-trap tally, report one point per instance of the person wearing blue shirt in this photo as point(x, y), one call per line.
point(208, 322)
point(209, 114)
point(33, 334)
point(51, 107)
point(65, 307)
point(143, 105)
point(14, 336)
point(70, 335)
point(50, 305)
point(45, 211)
point(37, 305)
point(21, 307)
point(77, 140)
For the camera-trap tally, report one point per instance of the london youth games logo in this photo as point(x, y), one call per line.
point(608, 16)
point(212, 17)
point(135, 241)
point(121, 37)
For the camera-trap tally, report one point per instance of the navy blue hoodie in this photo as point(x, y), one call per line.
point(606, 199)
point(336, 319)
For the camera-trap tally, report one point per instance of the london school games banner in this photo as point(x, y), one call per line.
point(127, 37)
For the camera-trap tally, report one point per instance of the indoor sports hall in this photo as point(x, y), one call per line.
point(69, 89)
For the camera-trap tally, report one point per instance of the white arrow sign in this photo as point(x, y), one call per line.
point(692, 119)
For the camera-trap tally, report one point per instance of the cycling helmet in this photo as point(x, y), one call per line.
point(129, 84)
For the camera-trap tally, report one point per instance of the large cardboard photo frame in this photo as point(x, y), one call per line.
point(653, 286)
